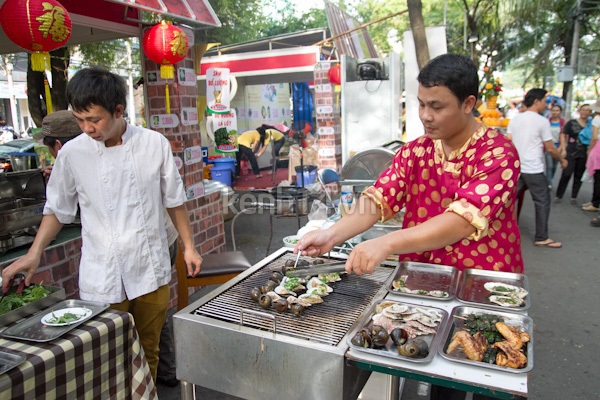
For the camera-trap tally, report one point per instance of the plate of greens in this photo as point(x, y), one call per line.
point(66, 316)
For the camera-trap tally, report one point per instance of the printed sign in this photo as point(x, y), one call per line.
point(194, 191)
point(224, 128)
point(186, 76)
point(189, 116)
point(220, 88)
point(164, 121)
point(178, 162)
point(153, 78)
point(324, 110)
point(192, 155)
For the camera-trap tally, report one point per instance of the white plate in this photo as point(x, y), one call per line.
point(290, 241)
point(82, 312)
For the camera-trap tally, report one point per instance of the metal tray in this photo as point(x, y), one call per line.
point(56, 295)
point(34, 330)
point(9, 360)
point(471, 291)
point(425, 277)
point(522, 321)
point(389, 350)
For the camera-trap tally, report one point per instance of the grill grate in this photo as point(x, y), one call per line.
point(325, 323)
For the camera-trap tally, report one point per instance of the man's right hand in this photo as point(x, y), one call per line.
point(27, 265)
point(315, 243)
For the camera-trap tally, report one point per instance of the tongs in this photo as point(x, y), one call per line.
point(317, 269)
point(17, 280)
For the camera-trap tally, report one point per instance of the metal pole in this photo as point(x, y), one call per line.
point(573, 61)
point(131, 99)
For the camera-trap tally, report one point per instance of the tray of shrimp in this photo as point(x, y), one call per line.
point(400, 330)
point(489, 339)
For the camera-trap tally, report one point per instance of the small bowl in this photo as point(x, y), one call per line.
point(290, 241)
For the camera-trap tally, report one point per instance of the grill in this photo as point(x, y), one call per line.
point(227, 342)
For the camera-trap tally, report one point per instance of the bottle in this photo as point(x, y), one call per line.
point(346, 199)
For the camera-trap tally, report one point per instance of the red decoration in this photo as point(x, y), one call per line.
point(165, 44)
point(38, 26)
point(335, 75)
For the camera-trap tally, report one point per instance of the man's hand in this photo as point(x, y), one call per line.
point(27, 265)
point(193, 261)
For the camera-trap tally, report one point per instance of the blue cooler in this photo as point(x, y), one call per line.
point(222, 173)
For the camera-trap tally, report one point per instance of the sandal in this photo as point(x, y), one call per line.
point(595, 222)
point(548, 243)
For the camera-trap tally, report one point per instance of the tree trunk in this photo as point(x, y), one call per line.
point(36, 96)
point(417, 26)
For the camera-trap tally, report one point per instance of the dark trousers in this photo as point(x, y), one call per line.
point(540, 193)
point(277, 145)
point(596, 193)
point(551, 164)
point(246, 151)
point(576, 167)
point(166, 348)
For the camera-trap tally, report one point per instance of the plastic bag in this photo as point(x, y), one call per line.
point(318, 210)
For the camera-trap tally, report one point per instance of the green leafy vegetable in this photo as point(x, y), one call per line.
point(30, 294)
point(66, 318)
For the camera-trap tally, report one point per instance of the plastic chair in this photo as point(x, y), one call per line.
point(328, 176)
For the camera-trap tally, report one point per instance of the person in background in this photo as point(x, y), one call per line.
point(122, 176)
point(57, 129)
point(276, 137)
point(574, 141)
point(556, 126)
point(593, 164)
point(530, 133)
point(249, 143)
point(6, 133)
point(466, 218)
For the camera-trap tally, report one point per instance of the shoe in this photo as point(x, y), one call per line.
point(595, 222)
point(573, 201)
point(590, 207)
point(557, 199)
point(548, 243)
point(170, 382)
point(589, 203)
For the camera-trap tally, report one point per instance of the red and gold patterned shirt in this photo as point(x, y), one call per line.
point(477, 182)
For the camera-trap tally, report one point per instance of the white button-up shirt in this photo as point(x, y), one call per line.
point(122, 192)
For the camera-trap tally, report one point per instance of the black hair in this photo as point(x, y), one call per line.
point(50, 141)
point(557, 105)
point(96, 86)
point(533, 95)
point(263, 134)
point(453, 71)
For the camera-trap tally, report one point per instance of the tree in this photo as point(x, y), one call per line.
point(417, 26)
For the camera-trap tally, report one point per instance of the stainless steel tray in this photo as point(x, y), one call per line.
point(524, 322)
point(471, 291)
point(34, 330)
point(9, 360)
point(433, 340)
point(56, 295)
point(425, 278)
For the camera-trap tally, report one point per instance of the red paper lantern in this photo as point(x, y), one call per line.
point(165, 44)
point(335, 75)
point(38, 26)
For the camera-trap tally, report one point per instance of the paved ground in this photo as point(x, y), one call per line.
point(565, 295)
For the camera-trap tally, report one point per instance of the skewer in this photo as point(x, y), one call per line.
point(460, 317)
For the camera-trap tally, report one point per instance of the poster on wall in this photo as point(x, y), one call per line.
point(270, 104)
point(220, 89)
point(189, 116)
point(153, 78)
point(164, 121)
point(186, 76)
point(224, 131)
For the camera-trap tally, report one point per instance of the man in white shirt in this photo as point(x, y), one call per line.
point(122, 177)
point(530, 133)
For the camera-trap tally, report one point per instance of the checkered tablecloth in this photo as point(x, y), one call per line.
point(100, 359)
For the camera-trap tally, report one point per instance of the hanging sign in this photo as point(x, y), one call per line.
point(224, 128)
point(164, 121)
point(189, 116)
point(192, 155)
point(194, 191)
point(220, 89)
point(186, 76)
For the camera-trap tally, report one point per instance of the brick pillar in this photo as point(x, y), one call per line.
point(205, 211)
point(328, 112)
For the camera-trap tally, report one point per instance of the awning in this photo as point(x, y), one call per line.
point(192, 11)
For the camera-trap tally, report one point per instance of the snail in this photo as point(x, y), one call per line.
point(255, 293)
point(264, 301)
point(417, 348)
point(399, 336)
point(379, 336)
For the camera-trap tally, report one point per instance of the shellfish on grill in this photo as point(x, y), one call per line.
point(504, 289)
